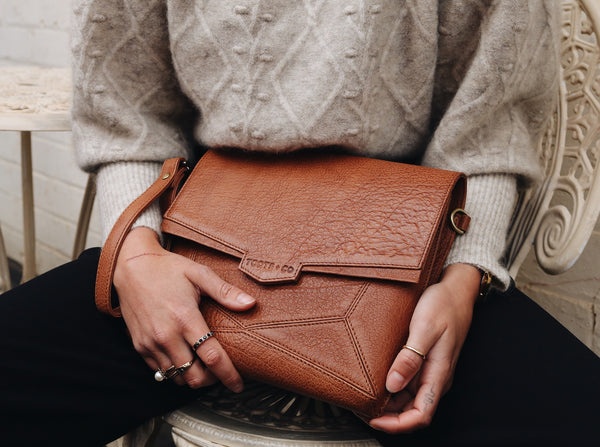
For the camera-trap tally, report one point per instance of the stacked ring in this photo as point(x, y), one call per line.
point(181, 369)
point(161, 374)
point(202, 340)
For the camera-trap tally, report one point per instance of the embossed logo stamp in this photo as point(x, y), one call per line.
point(268, 266)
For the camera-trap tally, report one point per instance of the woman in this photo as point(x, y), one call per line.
point(458, 85)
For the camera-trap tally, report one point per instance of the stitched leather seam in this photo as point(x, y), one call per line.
point(290, 322)
point(306, 322)
point(273, 324)
point(359, 353)
point(222, 311)
point(195, 229)
point(301, 264)
point(287, 350)
point(438, 220)
point(357, 297)
point(270, 325)
point(309, 362)
point(295, 323)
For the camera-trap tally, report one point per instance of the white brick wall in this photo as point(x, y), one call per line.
point(36, 32)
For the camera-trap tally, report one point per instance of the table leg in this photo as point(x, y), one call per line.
point(83, 223)
point(28, 216)
point(4, 270)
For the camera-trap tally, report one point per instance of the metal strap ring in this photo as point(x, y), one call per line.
point(453, 223)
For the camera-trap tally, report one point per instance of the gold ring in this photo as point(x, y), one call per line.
point(416, 351)
point(181, 369)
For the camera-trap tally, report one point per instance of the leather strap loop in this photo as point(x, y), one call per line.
point(173, 172)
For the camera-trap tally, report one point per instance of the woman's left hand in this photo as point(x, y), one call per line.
point(438, 329)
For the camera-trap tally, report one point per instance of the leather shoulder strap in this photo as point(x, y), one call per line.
point(173, 172)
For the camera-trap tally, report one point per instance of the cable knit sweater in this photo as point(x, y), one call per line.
point(460, 85)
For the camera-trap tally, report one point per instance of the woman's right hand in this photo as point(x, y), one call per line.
point(159, 294)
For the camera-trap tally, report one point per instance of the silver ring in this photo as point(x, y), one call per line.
point(416, 351)
point(202, 340)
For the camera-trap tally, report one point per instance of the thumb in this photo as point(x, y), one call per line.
point(407, 364)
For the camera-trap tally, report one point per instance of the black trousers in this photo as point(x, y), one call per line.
point(70, 376)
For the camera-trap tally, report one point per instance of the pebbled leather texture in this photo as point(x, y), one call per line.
point(335, 248)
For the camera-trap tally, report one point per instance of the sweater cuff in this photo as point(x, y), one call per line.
point(119, 184)
point(490, 202)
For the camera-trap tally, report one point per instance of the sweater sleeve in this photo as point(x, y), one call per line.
point(496, 82)
point(129, 114)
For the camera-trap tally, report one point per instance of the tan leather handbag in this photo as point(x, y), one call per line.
point(335, 248)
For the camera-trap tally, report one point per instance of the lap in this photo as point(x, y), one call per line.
point(522, 378)
point(70, 373)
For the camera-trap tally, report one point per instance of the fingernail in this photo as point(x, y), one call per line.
point(244, 298)
point(237, 388)
point(395, 382)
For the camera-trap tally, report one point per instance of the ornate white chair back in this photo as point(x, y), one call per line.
point(559, 215)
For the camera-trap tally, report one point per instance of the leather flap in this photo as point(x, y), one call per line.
point(326, 213)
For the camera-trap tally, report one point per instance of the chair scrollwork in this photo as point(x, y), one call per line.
point(559, 215)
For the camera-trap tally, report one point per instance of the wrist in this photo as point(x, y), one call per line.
point(464, 280)
point(140, 240)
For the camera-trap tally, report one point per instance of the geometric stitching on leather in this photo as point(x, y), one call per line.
point(263, 333)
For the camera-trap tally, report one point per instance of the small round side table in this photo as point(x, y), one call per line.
point(36, 99)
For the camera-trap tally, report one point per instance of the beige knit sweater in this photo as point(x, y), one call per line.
point(461, 85)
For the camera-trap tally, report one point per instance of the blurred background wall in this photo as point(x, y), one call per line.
point(36, 32)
